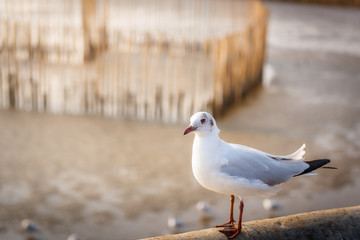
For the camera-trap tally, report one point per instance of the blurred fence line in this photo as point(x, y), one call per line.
point(154, 60)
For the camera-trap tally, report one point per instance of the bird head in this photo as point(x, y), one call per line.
point(202, 123)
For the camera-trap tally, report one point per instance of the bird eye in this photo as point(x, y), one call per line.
point(203, 121)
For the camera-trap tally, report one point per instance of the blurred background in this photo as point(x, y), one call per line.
point(95, 96)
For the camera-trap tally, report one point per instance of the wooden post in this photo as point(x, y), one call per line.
point(88, 24)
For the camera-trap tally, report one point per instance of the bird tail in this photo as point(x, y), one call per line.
point(315, 164)
point(297, 155)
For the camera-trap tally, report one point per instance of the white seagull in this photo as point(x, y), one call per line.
point(238, 170)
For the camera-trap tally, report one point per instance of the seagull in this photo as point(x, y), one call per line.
point(238, 170)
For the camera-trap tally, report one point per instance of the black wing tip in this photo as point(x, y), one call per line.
point(318, 161)
point(314, 164)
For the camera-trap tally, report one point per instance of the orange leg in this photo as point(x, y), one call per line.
point(231, 221)
point(233, 230)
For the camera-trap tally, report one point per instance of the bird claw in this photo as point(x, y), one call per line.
point(228, 224)
point(237, 232)
point(233, 230)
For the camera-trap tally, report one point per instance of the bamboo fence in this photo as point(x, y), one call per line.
point(153, 60)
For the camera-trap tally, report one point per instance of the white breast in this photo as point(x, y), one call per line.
point(206, 162)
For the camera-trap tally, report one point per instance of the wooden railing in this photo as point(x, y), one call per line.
point(342, 223)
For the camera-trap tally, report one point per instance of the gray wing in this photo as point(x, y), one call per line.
point(250, 163)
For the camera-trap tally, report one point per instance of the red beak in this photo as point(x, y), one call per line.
point(189, 129)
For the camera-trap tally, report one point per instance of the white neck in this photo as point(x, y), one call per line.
point(207, 140)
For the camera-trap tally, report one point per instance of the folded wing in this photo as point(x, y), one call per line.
point(249, 163)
